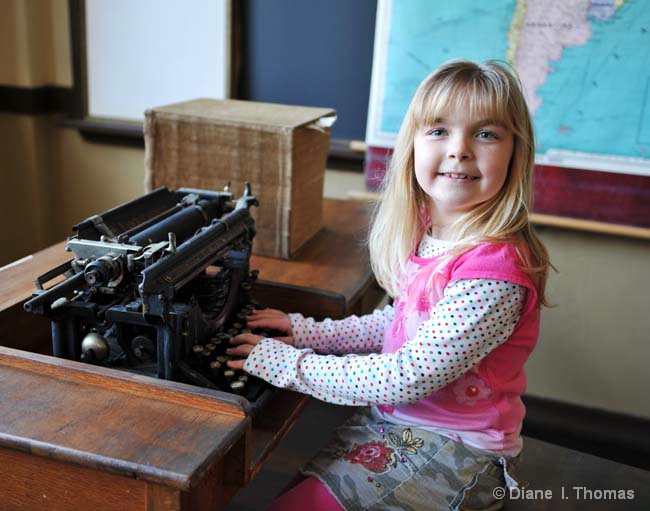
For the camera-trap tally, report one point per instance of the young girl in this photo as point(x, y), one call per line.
point(442, 370)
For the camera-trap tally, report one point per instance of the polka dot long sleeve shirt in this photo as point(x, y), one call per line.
point(473, 317)
point(460, 333)
point(350, 335)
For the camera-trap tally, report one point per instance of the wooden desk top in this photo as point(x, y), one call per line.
point(115, 421)
point(17, 278)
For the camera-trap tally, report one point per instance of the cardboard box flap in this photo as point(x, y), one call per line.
point(269, 116)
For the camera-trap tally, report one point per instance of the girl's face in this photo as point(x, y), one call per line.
point(461, 161)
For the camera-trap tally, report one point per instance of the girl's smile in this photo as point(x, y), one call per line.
point(458, 176)
point(461, 161)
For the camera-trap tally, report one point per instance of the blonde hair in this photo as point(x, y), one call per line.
point(401, 215)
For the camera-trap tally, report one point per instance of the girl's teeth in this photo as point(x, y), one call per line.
point(457, 176)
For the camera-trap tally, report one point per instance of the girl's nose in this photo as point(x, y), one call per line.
point(458, 149)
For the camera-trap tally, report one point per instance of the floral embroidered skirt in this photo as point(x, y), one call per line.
point(376, 465)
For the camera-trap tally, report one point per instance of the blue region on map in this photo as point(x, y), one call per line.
point(596, 96)
point(596, 99)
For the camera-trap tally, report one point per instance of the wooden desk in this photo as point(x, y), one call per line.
point(78, 437)
point(75, 436)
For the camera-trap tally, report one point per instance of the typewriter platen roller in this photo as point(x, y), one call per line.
point(157, 287)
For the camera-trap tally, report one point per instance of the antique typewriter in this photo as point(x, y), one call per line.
point(158, 286)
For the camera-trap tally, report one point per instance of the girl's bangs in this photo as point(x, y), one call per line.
point(485, 99)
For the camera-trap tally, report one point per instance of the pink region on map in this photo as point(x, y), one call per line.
point(549, 26)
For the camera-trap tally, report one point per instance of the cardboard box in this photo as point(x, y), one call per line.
point(280, 150)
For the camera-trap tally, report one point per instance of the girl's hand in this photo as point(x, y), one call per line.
point(270, 318)
point(244, 344)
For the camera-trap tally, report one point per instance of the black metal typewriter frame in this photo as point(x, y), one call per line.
point(175, 237)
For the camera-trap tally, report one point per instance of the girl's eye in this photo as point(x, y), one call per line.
point(437, 132)
point(486, 134)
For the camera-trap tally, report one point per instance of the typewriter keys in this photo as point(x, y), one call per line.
point(215, 368)
point(197, 353)
point(238, 387)
point(210, 360)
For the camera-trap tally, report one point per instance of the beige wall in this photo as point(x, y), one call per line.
point(28, 188)
point(35, 43)
point(92, 177)
point(594, 343)
point(53, 179)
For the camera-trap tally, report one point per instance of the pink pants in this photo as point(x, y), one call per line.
point(308, 493)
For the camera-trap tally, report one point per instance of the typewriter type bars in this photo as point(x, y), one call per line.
point(157, 287)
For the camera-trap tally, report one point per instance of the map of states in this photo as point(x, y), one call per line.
point(584, 64)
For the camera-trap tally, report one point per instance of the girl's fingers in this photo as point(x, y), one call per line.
point(242, 350)
point(267, 312)
point(244, 344)
point(236, 364)
point(251, 339)
point(269, 318)
point(276, 324)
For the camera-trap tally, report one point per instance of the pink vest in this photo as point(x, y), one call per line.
point(483, 407)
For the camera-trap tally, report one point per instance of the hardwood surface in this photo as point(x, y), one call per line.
point(30, 482)
point(114, 421)
point(17, 278)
